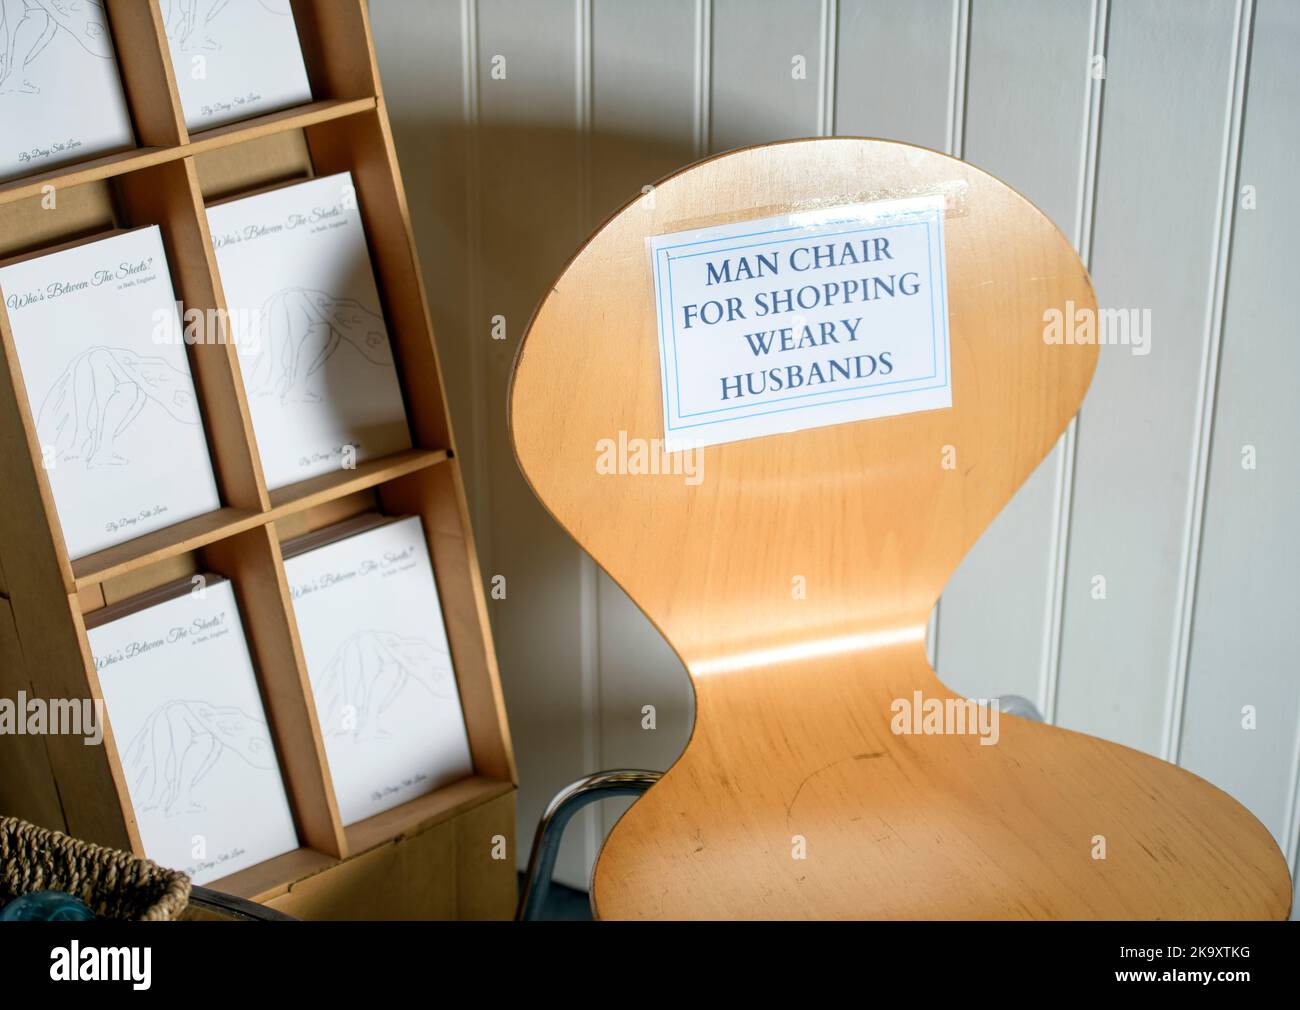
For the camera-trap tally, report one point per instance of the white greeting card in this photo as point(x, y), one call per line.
point(187, 717)
point(802, 320)
point(234, 59)
point(100, 345)
point(371, 627)
point(60, 96)
point(314, 352)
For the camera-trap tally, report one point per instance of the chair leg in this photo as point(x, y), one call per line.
point(235, 908)
point(550, 829)
point(1014, 704)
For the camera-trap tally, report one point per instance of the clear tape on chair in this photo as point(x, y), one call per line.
point(865, 203)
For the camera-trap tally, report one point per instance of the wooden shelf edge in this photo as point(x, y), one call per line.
point(165, 543)
point(274, 877)
point(422, 812)
point(296, 118)
point(104, 167)
point(210, 527)
point(137, 158)
point(286, 501)
point(265, 880)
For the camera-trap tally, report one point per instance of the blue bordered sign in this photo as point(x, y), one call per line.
point(802, 320)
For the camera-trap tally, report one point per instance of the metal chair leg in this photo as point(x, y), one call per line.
point(1015, 704)
point(235, 908)
point(550, 829)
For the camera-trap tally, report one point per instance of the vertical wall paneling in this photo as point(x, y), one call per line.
point(894, 70)
point(1068, 449)
point(703, 109)
point(1029, 109)
point(766, 71)
point(959, 79)
point(958, 90)
point(585, 832)
point(828, 54)
point(1245, 638)
point(527, 80)
point(476, 445)
point(1168, 82)
point(431, 128)
point(1209, 378)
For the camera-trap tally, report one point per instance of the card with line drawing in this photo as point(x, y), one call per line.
point(234, 59)
point(187, 717)
point(107, 373)
point(314, 349)
point(380, 665)
point(61, 99)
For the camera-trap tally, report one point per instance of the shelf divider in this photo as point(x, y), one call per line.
point(253, 563)
point(144, 63)
point(168, 195)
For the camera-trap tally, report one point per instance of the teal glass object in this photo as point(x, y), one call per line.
point(46, 906)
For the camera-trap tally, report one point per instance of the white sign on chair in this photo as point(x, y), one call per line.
point(802, 320)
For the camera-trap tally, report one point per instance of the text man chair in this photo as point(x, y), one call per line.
point(792, 753)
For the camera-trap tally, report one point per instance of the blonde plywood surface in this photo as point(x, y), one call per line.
point(792, 751)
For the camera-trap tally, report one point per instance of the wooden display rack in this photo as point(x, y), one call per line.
point(432, 856)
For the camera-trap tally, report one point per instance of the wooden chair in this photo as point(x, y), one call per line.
point(792, 752)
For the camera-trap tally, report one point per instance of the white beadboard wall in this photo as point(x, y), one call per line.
point(1160, 135)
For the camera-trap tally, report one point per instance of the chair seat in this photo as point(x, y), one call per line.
point(921, 826)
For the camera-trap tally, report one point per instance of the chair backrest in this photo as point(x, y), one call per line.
point(874, 515)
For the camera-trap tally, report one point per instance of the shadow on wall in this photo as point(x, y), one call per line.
point(496, 221)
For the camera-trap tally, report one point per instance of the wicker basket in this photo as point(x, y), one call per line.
point(115, 884)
